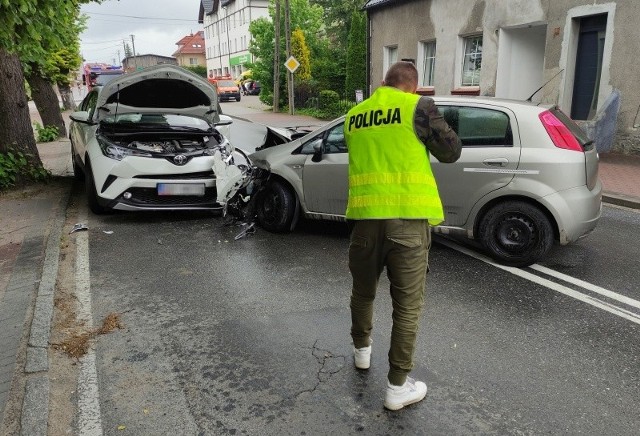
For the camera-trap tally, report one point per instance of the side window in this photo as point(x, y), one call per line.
point(335, 140)
point(307, 147)
point(332, 141)
point(479, 127)
point(89, 103)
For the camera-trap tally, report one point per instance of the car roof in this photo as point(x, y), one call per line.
point(506, 102)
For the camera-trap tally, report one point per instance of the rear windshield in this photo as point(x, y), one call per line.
point(574, 128)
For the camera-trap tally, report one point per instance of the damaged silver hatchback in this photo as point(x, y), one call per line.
point(527, 176)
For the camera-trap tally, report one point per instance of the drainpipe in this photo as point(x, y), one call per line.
point(367, 92)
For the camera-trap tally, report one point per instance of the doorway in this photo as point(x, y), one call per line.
point(589, 55)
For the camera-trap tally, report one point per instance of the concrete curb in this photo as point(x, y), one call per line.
point(35, 407)
point(621, 200)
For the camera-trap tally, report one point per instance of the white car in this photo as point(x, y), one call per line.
point(146, 141)
point(527, 175)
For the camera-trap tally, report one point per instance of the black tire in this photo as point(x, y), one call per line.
point(78, 174)
point(276, 208)
point(238, 98)
point(92, 193)
point(516, 233)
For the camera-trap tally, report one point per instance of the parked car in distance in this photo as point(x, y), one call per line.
point(527, 175)
point(146, 140)
point(226, 88)
point(252, 87)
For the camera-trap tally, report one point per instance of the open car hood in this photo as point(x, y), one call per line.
point(159, 89)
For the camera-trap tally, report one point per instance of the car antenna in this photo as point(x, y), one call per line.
point(545, 84)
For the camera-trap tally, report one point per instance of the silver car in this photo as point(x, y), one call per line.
point(527, 175)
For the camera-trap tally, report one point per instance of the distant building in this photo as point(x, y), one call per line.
point(191, 52)
point(138, 62)
point(226, 28)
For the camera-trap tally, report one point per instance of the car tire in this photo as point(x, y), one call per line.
point(276, 208)
point(516, 233)
point(78, 174)
point(92, 193)
point(238, 98)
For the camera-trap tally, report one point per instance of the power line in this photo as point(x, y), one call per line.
point(141, 18)
point(104, 42)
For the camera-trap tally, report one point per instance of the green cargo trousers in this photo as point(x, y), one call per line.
point(402, 245)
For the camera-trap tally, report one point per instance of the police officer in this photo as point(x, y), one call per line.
point(393, 199)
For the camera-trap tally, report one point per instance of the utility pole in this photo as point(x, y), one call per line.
point(276, 61)
point(133, 44)
point(287, 30)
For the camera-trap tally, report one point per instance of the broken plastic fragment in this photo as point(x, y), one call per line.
point(249, 230)
point(78, 226)
point(108, 232)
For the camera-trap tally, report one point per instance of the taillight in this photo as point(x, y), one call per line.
point(559, 133)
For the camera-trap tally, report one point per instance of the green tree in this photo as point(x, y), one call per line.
point(29, 32)
point(301, 52)
point(304, 16)
point(356, 65)
point(200, 70)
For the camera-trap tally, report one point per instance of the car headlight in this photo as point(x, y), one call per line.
point(118, 152)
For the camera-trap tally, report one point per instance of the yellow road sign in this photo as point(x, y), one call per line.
point(292, 64)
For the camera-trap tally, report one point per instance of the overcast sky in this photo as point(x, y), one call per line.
point(162, 23)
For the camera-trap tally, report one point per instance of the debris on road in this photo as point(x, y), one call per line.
point(78, 227)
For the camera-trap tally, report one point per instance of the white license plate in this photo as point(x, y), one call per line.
point(181, 189)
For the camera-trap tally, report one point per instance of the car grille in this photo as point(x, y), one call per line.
point(146, 197)
point(187, 176)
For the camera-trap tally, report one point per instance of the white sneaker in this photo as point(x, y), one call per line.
point(399, 396)
point(362, 357)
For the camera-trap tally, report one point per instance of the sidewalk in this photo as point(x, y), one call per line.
point(31, 221)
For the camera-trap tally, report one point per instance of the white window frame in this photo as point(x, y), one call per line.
point(470, 53)
point(389, 57)
point(426, 61)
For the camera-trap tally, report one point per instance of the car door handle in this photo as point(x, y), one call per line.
point(497, 162)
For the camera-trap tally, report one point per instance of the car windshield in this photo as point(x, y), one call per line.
point(103, 79)
point(226, 83)
point(160, 120)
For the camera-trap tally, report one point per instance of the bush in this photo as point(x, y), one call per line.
point(328, 100)
point(15, 165)
point(46, 134)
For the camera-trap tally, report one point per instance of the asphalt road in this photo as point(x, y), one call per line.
point(251, 336)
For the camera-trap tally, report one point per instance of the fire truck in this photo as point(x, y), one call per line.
point(96, 74)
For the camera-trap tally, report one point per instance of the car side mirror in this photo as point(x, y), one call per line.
point(80, 117)
point(224, 120)
point(317, 151)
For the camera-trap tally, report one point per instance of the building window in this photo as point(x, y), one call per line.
point(428, 50)
point(390, 57)
point(472, 62)
point(193, 61)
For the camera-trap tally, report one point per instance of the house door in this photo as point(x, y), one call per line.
point(588, 67)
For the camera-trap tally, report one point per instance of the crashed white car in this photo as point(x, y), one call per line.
point(150, 140)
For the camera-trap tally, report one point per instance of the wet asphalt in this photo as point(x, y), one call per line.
point(251, 336)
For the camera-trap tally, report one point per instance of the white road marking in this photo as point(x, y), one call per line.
point(600, 304)
point(89, 418)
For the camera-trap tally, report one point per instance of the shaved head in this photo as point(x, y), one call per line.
point(402, 75)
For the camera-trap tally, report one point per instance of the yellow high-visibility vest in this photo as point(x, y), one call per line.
point(390, 175)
